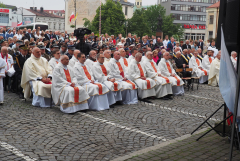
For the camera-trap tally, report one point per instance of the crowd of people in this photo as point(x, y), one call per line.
point(50, 67)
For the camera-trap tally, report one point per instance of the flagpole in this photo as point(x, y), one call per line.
point(75, 14)
point(100, 19)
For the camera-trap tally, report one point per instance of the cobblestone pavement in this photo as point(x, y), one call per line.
point(212, 147)
point(48, 134)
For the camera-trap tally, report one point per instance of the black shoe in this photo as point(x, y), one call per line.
point(21, 96)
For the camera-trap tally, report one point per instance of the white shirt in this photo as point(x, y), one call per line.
point(165, 42)
point(19, 37)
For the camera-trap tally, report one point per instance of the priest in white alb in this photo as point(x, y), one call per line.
point(91, 59)
point(234, 59)
point(97, 91)
point(101, 73)
point(137, 74)
point(36, 78)
point(198, 71)
point(65, 91)
point(74, 58)
point(213, 78)
point(167, 71)
point(163, 86)
point(132, 56)
point(2, 75)
point(118, 72)
point(107, 56)
point(55, 59)
point(123, 58)
point(207, 60)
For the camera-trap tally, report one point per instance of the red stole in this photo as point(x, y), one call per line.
point(142, 75)
point(170, 71)
point(125, 62)
point(104, 70)
point(67, 74)
point(210, 60)
point(120, 69)
point(198, 63)
point(153, 67)
point(86, 72)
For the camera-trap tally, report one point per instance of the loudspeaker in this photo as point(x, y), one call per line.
point(232, 26)
point(221, 20)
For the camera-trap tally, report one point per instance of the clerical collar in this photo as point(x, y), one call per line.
point(116, 60)
point(65, 67)
point(81, 63)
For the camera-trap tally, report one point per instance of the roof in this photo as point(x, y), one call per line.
point(62, 11)
point(43, 14)
point(124, 2)
point(215, 5)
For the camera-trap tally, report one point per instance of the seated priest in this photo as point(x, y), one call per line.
point(182, 63)
point(213, 78)
point(2, 75)
point(123, 59)
point(167, 71)
point(97, 91)
point(91, 59)
point(198, 71)
point(132, 57)
point(234, 59)
point(137, 74)
point(207, 60)
point(65, 91)
point(74, 58)
point(163, 86)
point(118, 72)
point(9, 63)
point(55, 59)
point(36, 78)
point(101, 74)
point(107, 56)
point(19, 59)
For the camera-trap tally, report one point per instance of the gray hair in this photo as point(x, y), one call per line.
point(148, 52)
point(233, 52)
point(178, 52)
point(62, 57)
point(98, 55)
point(106, 51)
point(9, 38)
point(120, 49)
point(138, 55)
point(91, 52)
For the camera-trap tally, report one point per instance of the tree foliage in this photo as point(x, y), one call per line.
point(112, 19)
point(2, 5)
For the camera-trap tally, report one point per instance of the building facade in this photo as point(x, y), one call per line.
point(212, 21)
point(33, 15)
point(87, 9)
point(9, 17)
point(191, 14)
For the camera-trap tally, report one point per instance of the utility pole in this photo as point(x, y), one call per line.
point(75, 14)
point(100, 19)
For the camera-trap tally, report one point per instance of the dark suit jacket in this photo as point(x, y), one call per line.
point(185, 46)
point(170, 46)
point(201, 45)
point(179, 62)
point(47, 36)
point(185, 61)
point(56, 37)
point(19, 61)
point(130, 41)
point(27, 35)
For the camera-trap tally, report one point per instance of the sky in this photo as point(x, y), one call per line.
point(54, 4)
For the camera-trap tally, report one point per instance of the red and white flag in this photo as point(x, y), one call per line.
point(71, 17)
point(19, 24)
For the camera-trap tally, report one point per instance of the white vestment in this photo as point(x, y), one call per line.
point(101, 74)
point(98, 98)
point(145, 87)
point(129, 92)
point(71, 99)
point(162, 88)
point(72, 61)
point(122, 60)
point(106, 61)
point(9, 61)
point(175, 81)
point(213, 77)
point(2, 75)
point(196, 71)
point(206, 63)
point(130, 58)
point(89, 63)
point(34, 69)
point(53, 62)
point(234, 61)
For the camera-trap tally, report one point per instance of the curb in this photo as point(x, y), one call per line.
point(157, 146)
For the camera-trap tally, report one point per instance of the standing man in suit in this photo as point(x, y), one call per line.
point(171, 44)
point(56, 36)
point(130, 40)
point(47, 36)
point(29, 35)
point(200, 44)
point(66, 35)
point(186, 46)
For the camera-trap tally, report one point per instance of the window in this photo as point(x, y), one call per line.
point(137, 3)
point(210, 35)
point(211, 19)
point(126, 9)
point(189, 17)
point(59, 26)
point(54, 26)
point(4, 18)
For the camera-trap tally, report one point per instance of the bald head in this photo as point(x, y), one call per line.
point(4, 50)
point(166, 55)
point(116, 55)
point(64, 59)
point(36, 52)
point(76, 52)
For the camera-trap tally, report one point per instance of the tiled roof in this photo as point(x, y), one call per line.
point(215, 5)
point(43, 14)
point(124, 2)
point(62, 11)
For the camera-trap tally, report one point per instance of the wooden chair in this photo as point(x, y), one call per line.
point(184, 79)
point(193, 78)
